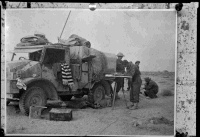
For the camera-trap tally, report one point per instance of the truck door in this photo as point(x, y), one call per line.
point(51, 69)
point(85, 73)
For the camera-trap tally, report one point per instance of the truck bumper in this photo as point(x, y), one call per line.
point(11, 97)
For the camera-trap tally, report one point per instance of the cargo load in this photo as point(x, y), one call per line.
point(102, 63)
point(36, 39)
point(75, 40)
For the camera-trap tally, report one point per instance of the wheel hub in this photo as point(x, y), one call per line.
point(98, 94)
point(36, 100)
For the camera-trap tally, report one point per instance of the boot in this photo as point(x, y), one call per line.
point(131, 105)
point(134, 107)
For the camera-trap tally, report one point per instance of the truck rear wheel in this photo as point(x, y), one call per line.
point(96, 94)
point(34, 96)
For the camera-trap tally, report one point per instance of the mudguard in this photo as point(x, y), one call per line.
point(48, 86)
point(105, 84)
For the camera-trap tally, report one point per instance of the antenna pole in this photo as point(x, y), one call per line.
point(65, 24)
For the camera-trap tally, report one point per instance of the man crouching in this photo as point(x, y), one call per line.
point(151, 88)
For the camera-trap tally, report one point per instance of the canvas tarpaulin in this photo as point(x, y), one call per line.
point(36, 39)
point(103, 63)
point(75, 40)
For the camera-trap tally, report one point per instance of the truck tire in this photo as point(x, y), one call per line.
point(66, 97)
point(33, 96)
point(96, 94)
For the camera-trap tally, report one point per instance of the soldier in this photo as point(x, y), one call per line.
point(151, 88)
point(136, 83)
point(119, 69)
point(137, 63)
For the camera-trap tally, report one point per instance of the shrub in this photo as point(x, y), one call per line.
point(166, 92)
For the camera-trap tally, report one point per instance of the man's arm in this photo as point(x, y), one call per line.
point(149, 86)
point(131, 70)
point(145, 86)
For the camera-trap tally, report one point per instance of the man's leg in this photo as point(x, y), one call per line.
point(131, 96)
point(150, 93)
point(123, 84)
point(140, 84)
point(136, 92)
point(155, 91)
point(119, 85)
point(129, 84)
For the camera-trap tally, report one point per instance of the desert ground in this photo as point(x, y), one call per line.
point(154, 116)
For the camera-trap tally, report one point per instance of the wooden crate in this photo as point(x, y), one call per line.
point(60, 114)
point(35, 111)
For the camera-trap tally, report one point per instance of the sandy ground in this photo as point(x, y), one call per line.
point(154, 117)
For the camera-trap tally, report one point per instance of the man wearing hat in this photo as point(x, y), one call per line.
point(119, 69)
point(151, 88)
point(135, 86)
point(137, 63)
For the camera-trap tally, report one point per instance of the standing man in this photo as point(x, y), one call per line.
point(137, 63)
point(119, 69)
point(151, 88)
point(129, 80)
point(136, 82)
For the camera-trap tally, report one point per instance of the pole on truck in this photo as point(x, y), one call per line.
point(65, 24)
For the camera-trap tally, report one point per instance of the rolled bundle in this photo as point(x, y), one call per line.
point(37, 39)
point(75, 40)
point(69, 42)
point(82, 41)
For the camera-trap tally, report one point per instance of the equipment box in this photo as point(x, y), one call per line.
point(60, 114)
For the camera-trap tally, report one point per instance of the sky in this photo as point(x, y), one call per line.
point(147, 36)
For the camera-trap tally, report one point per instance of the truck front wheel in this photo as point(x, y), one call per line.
point(96, 94)
point(34, 96)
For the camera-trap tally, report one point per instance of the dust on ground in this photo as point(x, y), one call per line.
point(154, 116)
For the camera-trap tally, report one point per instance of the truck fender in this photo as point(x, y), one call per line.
point(106, 84)
point(47, 85)
point(93, 83)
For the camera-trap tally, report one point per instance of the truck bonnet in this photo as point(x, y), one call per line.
point(22, 69)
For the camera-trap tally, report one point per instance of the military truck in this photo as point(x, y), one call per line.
point(34, 74)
